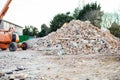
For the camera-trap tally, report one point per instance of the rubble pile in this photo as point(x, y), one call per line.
point(78, 37)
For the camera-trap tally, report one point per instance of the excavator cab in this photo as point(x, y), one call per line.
point(8, 39)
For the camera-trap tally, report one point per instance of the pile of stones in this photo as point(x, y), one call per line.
point(78, 37)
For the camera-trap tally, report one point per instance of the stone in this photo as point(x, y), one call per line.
point(18, 76)
point(1, 74)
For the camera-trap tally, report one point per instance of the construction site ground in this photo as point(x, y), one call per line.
point(41, 65)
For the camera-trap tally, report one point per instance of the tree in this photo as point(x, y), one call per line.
point(88, 8)
point(44, 30)
point(30, 31)
point(59, 20)
point(26, 30)
point(35, 31)
point(109, 18)
point(112, 22)
point(92, 13)
point(115, 29)
point(94, 16)
point(76, 13)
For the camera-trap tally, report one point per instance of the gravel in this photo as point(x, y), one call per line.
point(39, 65)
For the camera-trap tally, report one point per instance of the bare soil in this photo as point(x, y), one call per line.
point(40, 65)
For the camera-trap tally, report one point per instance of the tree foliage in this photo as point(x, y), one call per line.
point(26, 30)
point(59, 20)
point(115, 29)
point(109, 18)
point(44, 30)
point(76, 13)
point(90, 12)
point(30, 31)
point(88, 8)
point(95, 17)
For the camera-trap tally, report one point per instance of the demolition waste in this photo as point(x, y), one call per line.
point(78, 37)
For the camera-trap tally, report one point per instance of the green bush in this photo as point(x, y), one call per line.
point(115, 29)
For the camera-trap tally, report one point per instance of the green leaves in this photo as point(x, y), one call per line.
point(30, 31)
point(90, 12)
point(115, 29)
point(44, 30)
point(59, 20)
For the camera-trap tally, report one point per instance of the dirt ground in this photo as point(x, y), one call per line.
point(40, 65)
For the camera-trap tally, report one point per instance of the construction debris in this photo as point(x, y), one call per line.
point(78, 37)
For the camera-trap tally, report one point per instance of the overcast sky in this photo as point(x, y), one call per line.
point(37, 12)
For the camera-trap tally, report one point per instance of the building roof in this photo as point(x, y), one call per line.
point(12, 23)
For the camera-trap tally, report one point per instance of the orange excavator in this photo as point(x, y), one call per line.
point(7, 37)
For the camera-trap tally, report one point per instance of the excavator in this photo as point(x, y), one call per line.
point(8, 39)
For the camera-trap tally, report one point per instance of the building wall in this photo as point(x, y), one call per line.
point(6, 25)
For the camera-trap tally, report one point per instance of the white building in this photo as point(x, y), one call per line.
point(6, 25)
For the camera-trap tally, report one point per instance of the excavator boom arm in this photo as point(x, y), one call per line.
point(5, 8)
